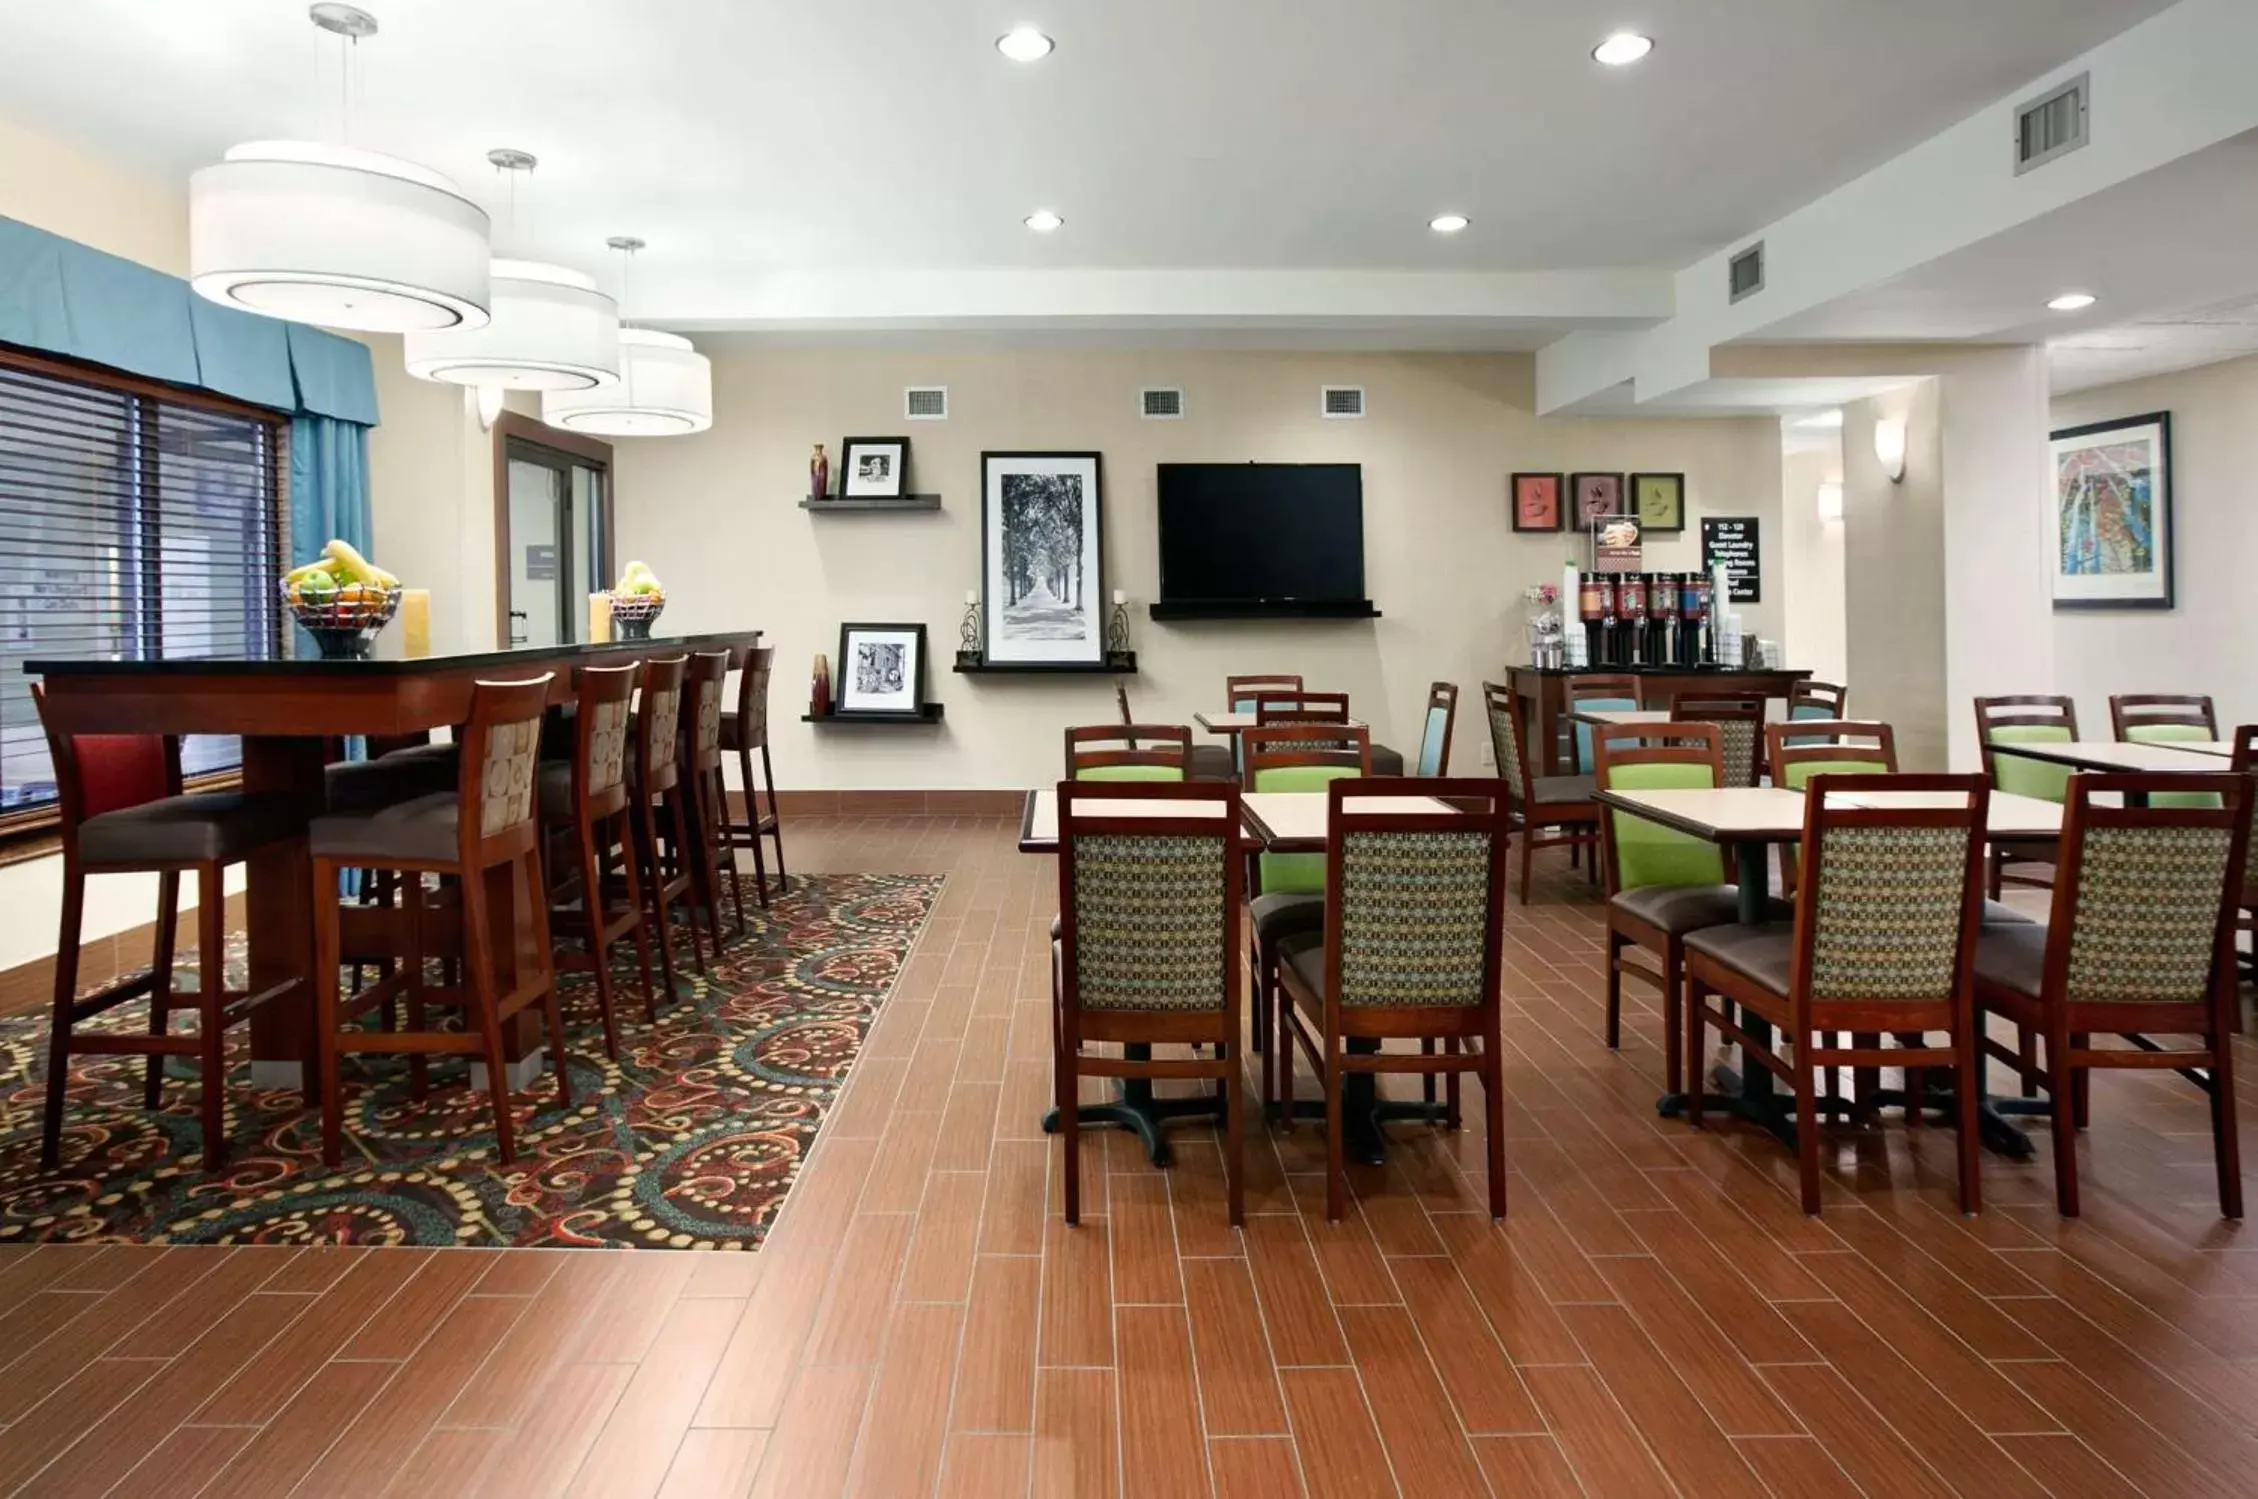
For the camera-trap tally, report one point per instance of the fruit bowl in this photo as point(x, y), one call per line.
point(633, 613)
point(343, 620)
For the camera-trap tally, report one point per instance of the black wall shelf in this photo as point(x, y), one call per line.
point(1119, 664)
point(833, 505)
point(929, 714)
point(1229, 609)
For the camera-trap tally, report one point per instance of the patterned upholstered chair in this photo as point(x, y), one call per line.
point(1129, 752)
point(2140, 944)
point(585, 799)
point(742, 734)
point(1597, 692)
point(1882, 943)
point(2163, 718)
point(1740, 720)
point(1410, 952)
point(121, 812)
point(487, 826)
point(1547, 811)
point(1816, 700)
point(1435, 729)
point(658, 800)
point(1662, 885)
point(1278, 709)
point(1246, 695)
point(1147, 949)
point(2007, 721)
point(1825, 746)
point(712, 854)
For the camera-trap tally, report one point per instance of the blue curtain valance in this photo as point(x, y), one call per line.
point(62, 297)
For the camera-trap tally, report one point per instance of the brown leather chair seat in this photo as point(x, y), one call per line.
point(421, 830)
point(1679, 909)
point(1998, 914)
point(1212, 762)
point(366, 785)
point(1285, 913)
point(2012, 957)
point(1549, 790)
point(222, 827)
point(1763, 953)
point(1304, 952)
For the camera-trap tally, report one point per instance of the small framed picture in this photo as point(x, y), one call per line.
point(1536, 502)
point(882, 669)
point(1598, 496)
point(872, 468)
point(1659, 501)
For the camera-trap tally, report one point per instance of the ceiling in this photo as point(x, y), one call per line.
point(1169, 133)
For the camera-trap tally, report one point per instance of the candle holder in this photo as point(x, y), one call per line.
point(1117, 629)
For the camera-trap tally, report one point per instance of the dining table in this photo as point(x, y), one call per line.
point(2137, 756)
point(1749, 822)
point(1230, 724)
point(287, 714)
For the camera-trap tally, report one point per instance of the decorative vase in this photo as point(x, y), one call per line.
point(819, 690)
point(819, 476)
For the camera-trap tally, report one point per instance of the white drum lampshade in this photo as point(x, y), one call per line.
point(551, 330)
point(336, 236)
point(665, 389)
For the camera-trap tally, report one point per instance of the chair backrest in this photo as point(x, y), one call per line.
point(1828, 746)
point(1148, 897)
point(2031, 719)
point(1245, 694)
point(1741, 719)
point(658, 721)
point(752, 696)
point(1890, 897)
point(2146, 898)
point(1809, 699)
point(1609, 692)
point(707, 678)
point(1306, 708)
point(2245, 748)
point(97, 773)
point(1509, 740)
point(1301, 757)
point(2161, 717)
point(1657, 757)
point(1434, 735)
point(1129, 752)
point(600, 729)
point(501, 759)
point(1412, 902)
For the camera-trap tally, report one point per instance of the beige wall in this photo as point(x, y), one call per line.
point(65, 191)
point(1893, 584)
point(1811, 582)
point(716, 517)
point(2204, 643)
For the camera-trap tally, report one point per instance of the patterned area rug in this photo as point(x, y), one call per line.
point(690, 1140)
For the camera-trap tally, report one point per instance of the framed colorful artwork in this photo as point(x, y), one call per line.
point(1598, 496)
point(1659, 501)
point(1536, 502)
point(2111, 515)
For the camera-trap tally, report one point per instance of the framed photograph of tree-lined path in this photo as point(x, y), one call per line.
point(1041, 565)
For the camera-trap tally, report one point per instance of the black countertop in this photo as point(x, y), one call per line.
point(522, 656)
point(1662, 671)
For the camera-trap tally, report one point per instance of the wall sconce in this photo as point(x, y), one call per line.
point(1889, 448)
point(1830, 501)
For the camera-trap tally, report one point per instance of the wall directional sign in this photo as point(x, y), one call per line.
point(1732, 541)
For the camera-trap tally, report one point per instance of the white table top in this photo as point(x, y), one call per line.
point(1239, 723)
point(1279, 821)
point(1774, 814)
point(2110, 754)
point(1606, 716)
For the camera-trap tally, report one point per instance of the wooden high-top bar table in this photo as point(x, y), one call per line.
point(1545, 690)
point(284, 710)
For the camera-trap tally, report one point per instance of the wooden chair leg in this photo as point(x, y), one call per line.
point(725, 849)
point(2064, 1117)
point(1336, 1152)
point(599, 946)
point(419, 1017)
point(1807, 1124)
point(1234, 1138)
point(326, 920)
point(753, 825)
point(485, 998)
point(2081, 1084)
point(1070, 1124)
point(552, 1008)
point(1969, 1088)
point(660, 917)
point(1493, 1121)
point(1528, 857)
point(1697, 1041)
point(689, 854)
point(160, 991)
point(1614, 991)
point(1282, 1043)
point(631, 876)
point(1427, 1079)
point(211, 1009)
point(768, 778)
point(59, 1028)
point(2224, 1142)
point(1673, 1020)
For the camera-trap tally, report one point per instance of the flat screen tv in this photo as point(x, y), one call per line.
point(1261, 533)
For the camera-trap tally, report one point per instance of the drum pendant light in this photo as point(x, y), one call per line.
point(333, 235)
point(551, 329)
point(665, 385)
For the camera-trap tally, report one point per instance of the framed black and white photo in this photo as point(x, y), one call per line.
point(1041, 567)
point(882, 669)
point(872, 468)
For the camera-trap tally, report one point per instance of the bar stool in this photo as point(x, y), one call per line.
point(586, 798)
point(655, 790)
point(122, 812)
point(701, 747)
point(742, 732)
point(487, 824)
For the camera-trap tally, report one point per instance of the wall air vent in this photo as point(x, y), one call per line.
point(926, 403)
point(1161, 403)
point(1337, 401)
point(1744, 273)
point(2053, 124)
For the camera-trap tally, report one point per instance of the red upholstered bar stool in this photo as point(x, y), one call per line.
point(487, 823)
point(658, 799)
point(742, 733)
point(122, 812)
point(709, 797)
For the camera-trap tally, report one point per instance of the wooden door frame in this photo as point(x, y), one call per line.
point(586, 450)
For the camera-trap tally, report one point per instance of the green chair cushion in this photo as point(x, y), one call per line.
point(2169, 733)
point(1796, 775)
point(1129, 773)
point(1304, 873)
point(1647, 853)
point(2025, 777)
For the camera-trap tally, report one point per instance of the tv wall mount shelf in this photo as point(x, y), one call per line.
point(1247, 609)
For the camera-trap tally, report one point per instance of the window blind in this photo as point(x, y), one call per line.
point(133, 527)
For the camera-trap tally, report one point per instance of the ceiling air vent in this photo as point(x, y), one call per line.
point(2053, 124)
point(1335, 401)
point(926, 403)
point(1744, 273)
point(1161, 403)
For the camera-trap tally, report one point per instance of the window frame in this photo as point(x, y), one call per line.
point(569, 450)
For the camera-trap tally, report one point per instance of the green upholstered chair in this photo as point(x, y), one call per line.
point(1740, 720)
point(1883, 941)
point(1129, 752)
point(1435, 729)
point(1817, 700)
point(1661, 884)
point(1289, 898)
point(1322, 707)
point(2140, 944)
point(2163, 718)
point(1547, 811)
point(1410, 952)
point(1597, 694)
point(2002, 722)
point(1147, 951)
point(1246, 694)
point(1832, 746)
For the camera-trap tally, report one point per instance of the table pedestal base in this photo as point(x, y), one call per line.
point(1774, 1113)
point(1134, 1108)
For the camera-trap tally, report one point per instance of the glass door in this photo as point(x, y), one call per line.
point(555, 543)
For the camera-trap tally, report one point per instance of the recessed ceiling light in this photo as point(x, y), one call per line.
point(1447, 223)
point(1623, 48)
point(1024, 44)
point(2073, 301)
point(1043, 221)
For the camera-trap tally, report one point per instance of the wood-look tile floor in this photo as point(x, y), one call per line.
point(1655, 1317)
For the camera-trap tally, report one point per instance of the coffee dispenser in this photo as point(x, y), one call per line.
point(1630, 606)
point(1696, 626)
point(1664, 600)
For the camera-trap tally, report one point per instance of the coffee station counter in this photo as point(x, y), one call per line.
point(1544, 691)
